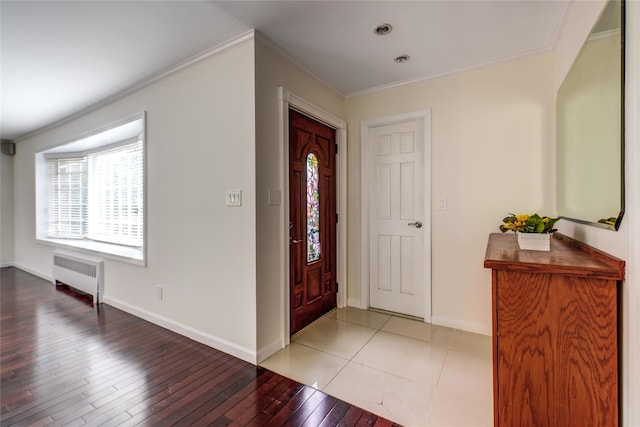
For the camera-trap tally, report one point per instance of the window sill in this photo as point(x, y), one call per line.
point(126, 254)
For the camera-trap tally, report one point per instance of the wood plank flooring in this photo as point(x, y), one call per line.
point(66, 363)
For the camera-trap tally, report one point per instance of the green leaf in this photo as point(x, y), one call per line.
point(548, 226)
point(534, 224)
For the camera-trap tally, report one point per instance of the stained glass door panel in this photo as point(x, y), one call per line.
point(313, 209)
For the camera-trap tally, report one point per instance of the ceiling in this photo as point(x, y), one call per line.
point(60, 57)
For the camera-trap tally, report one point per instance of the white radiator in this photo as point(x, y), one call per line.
point(80, 272)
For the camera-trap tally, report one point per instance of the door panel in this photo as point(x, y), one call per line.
point(397, 201)
point(312, 212)
point(407, 248)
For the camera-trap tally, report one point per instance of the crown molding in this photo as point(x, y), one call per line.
point(264, 41)
point(237, 41)
point(447, 73)
point(555, 38)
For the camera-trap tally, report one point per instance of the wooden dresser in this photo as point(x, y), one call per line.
point(555, 333)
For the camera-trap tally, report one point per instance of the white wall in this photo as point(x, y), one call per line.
point(272, 71)
point(6, 210)
point(623, 243)
point(492, 131)
point(200, 142)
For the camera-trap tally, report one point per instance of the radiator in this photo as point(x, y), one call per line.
point(79, 272)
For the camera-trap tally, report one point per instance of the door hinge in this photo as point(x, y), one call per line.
point(337, 286)
point(336, 148)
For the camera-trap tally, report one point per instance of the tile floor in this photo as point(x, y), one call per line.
point(411, 372)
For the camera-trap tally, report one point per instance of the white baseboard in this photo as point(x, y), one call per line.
point(460, 324)
point(187, 331)
point(40, 274)
point(6, 264)
point(269, 350)
point(440, 320)
point(357, 303)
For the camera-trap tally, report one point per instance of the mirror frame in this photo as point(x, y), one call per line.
point(618, 221)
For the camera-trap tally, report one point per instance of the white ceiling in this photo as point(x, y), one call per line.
point(59, 57)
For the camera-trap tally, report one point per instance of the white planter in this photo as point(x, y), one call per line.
point(534, 241)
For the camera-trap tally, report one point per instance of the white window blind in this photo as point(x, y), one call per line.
point(116, 195)
point(67, 197)
point(98, 196)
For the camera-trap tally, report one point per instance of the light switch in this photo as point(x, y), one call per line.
point(274, 196)
point(442, 203)
point(234, 198)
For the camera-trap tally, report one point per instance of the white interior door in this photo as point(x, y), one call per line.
point(397, 232)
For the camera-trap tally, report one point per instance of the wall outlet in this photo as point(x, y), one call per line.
point(159, 293)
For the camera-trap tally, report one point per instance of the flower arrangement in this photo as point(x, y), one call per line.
point(525, 223)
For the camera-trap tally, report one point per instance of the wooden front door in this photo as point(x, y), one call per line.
point(312, 212)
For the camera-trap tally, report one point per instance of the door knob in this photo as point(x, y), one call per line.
point(293, 241)
point(416, 224)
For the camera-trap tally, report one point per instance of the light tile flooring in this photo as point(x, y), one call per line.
point(410, 372)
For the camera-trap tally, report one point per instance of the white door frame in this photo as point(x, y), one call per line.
point(365, 157)
point(631, 287)
point(288, 99)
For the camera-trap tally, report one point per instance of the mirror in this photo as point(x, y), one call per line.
point(590, 127)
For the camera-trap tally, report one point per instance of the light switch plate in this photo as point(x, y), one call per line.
point(442, 203)
point(234, 198)
point(274, 196)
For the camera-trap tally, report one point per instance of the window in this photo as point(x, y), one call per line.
point(67, 197)
point(91, 191)
point(313, 209)
point(115, 195)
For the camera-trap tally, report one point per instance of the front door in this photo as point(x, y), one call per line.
point(312, 212)
point(397, 234)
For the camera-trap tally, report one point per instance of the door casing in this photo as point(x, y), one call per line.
point(288, 99)
point(365, 156)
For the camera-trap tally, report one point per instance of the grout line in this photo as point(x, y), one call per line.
point(336, 374)
point(385, 323)
point(357, 352)
point(319, 350)
point(448, 346)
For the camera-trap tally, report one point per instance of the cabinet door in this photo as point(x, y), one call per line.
point(557, 359)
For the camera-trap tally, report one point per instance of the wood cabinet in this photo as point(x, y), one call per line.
point(555, 333)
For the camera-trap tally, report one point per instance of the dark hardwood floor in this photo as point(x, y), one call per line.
point(66, 363)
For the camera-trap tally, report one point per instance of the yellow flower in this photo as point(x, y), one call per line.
point(527, 223)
